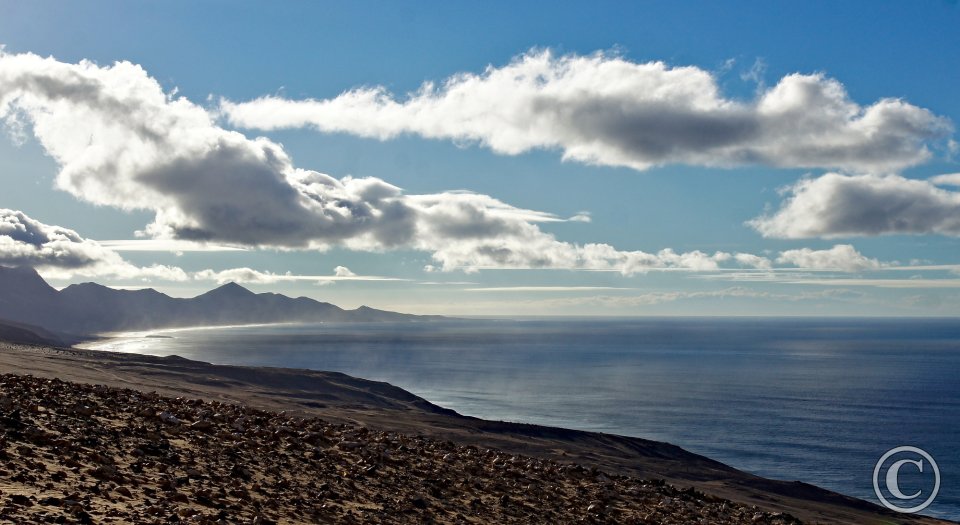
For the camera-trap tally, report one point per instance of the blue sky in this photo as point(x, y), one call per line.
point(883, 244)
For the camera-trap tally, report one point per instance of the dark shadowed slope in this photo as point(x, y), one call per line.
point(29, 334)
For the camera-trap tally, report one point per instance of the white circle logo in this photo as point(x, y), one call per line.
point(916, 458)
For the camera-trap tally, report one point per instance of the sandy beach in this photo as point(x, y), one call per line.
point(639, 476)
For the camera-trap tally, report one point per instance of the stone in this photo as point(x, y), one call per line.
point(168, 418)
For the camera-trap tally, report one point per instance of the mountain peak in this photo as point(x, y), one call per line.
point(87, 286)
point(230, 289)
point(23, 280)
point(22, 272)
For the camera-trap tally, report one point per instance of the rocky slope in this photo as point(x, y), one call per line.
point(385, 409)
point(74, 453)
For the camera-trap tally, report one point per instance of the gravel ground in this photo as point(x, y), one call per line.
point(76, 453)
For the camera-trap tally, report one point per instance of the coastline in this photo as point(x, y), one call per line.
point(340, 398)
point(101, 341)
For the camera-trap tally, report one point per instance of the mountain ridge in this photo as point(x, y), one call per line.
point(90, 308)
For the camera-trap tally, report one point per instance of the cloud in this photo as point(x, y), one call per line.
point(602, 109)
point(734, 292)
point(884, 283)
point(842, 257)
point(121, 141)
point(59, 252)
point(947, 179)
point(752, 261)
point(251, 276)
point(343, 271)
point(543, 288)
point(756, 73)
point(239, 275)
point(836, 205)
point(166, 245)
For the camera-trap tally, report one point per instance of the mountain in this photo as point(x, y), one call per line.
point(90, 308)
point(26, 295)
point(28, 334)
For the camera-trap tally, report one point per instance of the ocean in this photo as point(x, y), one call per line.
point(816, 400)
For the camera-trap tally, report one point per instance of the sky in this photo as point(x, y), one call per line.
point(491, 158)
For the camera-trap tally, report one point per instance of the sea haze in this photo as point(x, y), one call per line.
point(818, 400)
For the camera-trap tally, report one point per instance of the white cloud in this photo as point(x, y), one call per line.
point(947, 179)
point(752, 261)
point(121, 141)
point(835, 205)
point(251, 276)
point(60, 253)
point(240, 275)
point(842, 257)
point(605, 110)
point(343, 271)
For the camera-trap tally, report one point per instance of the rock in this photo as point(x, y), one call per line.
point(51, 501)
point(202, 425)
point(20, 499)
point(168, 418)
point(349, 445)
point(84, 518)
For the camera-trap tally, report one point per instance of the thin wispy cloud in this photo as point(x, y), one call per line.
point(955, 268)
point(882, 283)
point(166, 245)
point(604, 109)
point(544, 288)
point(661, 297)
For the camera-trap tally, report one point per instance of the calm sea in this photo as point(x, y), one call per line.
point(818, 400)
